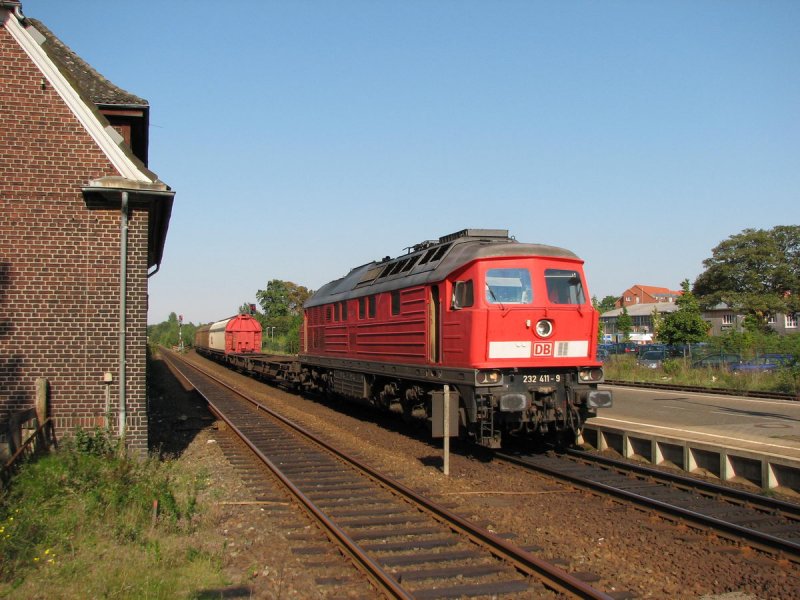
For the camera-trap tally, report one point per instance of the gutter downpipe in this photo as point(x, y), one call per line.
point(123, 307)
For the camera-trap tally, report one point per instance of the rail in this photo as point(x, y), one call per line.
point(276, 457)
point(764, 523)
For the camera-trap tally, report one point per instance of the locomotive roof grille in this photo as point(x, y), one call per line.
point(430, 263)
point(489, 234)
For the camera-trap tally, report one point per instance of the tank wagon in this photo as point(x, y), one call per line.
point(506, 325)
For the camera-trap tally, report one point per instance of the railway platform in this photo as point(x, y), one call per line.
point(752, 441)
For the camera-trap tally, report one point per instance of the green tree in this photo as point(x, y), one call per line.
point(601, 327)
point(625, 324)
point(606, 304)
point(170, 332)
point(657, 322)
point(685, 325)
point(282, 308)
point(282, 299)
point(756, 272)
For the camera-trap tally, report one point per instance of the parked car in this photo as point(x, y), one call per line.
point(602, 354)
point(762, 364)
point(720, 360)
point(652, 359)
point(624, 348)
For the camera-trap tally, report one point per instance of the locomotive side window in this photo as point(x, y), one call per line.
point(336, 309)
point(344, 310)
point(508, 286)
point(371, 302)
point(396, 302)
point(564, 286)
point(328, 313)
point(362, 312)
point(462, 295)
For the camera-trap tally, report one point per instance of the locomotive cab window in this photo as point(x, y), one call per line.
point(462, 295)
point(508, 286)
point(564, 286)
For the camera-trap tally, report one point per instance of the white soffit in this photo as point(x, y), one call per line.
point(74, 102)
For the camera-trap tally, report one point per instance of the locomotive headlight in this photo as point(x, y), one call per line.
point(488, 377)
point(590, 375)
point(544, 328)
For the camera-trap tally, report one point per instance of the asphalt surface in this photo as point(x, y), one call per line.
point(770, 426)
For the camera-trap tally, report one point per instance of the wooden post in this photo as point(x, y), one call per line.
point(42, 393)
point(446, 429)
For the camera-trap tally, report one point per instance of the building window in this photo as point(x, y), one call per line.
point(790, 321)
point(727, 319)
point(771, 320)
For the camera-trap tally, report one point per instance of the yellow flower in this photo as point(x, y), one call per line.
point(36, 559)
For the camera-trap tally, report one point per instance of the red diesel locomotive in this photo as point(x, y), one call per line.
point(508, 326)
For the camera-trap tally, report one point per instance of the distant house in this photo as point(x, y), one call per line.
point(83, 223)
point(722, 319)
point(646, 294)
point(642, 317)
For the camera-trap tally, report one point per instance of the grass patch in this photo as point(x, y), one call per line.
point(678, 371)
point(87, 522)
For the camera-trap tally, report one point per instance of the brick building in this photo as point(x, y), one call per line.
point(82, 226)
point(646, 294)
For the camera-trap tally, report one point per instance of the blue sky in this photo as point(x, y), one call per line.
point(305, 138)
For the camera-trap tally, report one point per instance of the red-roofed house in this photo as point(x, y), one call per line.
point(646, 294)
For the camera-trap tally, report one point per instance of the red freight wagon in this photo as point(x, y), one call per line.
point(508, 325)
point(234, 335)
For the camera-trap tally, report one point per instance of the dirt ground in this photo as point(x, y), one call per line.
point(258, 542)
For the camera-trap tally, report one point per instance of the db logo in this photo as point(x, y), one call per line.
point(543, 349)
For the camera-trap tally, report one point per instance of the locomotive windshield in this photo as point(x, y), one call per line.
point(564, 287)
point(508, 286)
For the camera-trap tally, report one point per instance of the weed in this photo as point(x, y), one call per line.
point(87, 507)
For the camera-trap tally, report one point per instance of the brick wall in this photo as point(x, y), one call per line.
point(60, 263)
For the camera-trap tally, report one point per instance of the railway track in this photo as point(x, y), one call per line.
point(760, 522)
point(407, 545)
